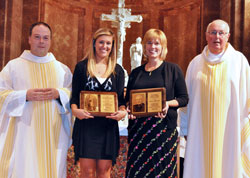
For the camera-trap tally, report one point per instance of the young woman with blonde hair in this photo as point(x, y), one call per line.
point(96, 139)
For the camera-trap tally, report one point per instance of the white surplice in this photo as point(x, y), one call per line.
point(34, 135)
point(216, 120)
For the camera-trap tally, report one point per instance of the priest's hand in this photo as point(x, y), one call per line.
point(41, 94)
point(51, 93)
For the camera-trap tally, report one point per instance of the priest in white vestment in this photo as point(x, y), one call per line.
point(216, 120)
point(35, 119)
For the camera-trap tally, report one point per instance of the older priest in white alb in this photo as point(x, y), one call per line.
point(216, 119)
point(35, 120)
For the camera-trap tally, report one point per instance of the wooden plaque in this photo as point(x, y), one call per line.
point(99, 103)
point(147, 102)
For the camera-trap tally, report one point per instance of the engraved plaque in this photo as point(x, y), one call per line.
point(99, 103)
point(147, 102)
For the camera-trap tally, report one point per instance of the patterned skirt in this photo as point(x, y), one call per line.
point(152, 149)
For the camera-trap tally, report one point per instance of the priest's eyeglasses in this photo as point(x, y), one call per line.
point(214, 33)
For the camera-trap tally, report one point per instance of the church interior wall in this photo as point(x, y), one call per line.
point(74, 21)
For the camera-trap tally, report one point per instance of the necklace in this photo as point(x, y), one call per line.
point(150, 69)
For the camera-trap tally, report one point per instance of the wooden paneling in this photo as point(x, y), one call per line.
point(246, 30)
point(2, 31)
point(182, 26)
point(5, 31)
point(16, 30)
point(30, 15)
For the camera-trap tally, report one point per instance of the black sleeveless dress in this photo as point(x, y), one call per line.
point(96, 138)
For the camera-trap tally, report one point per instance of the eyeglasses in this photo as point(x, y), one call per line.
point(214, 33)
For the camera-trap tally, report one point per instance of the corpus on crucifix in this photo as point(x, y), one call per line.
point(121, 19)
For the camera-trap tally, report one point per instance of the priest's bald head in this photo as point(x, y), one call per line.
point(217, 36)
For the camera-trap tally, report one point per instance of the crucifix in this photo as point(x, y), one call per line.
point(121, 19)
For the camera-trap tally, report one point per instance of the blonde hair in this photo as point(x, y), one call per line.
point(155, 34)
point(91, 54)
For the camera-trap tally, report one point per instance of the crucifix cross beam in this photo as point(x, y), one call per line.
point(121, 19)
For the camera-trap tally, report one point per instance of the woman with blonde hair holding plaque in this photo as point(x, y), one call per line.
point(153, 140)
point(96, 139)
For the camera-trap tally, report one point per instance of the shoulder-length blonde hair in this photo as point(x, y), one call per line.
point(155, 34)
point(91, 54)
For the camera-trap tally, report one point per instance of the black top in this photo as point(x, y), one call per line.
point(80, 79)
point(167, 75)
point(96, 138)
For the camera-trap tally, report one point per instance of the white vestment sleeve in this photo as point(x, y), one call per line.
point(64, 106)
point(65, 111)
point(64, 93)
point(245, 117)
point(16, 103)
point(12, 102)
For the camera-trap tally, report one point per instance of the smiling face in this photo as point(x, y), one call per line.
point(153, 49)
point(154, 45)
point(217, 37)
point(40, 40)
point(103, 46)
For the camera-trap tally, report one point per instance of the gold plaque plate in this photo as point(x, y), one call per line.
point(99, 103)
point(147, 102)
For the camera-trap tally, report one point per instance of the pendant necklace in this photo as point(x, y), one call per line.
point(153, 68)
point(150, 72)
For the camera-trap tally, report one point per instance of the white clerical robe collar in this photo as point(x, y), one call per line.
point(214, 58)
point(45, 59)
